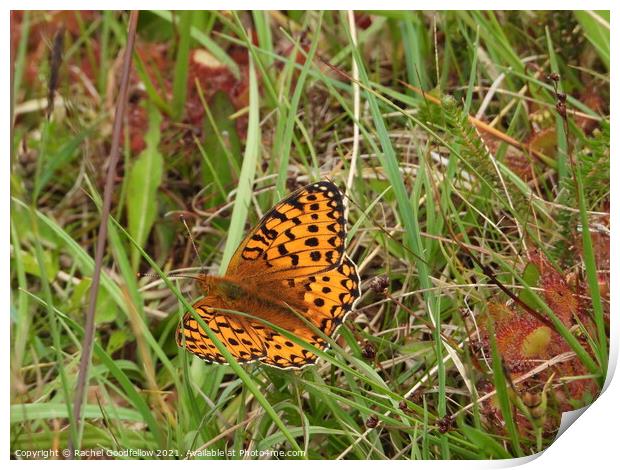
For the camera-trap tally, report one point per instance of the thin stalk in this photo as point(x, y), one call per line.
point(89, 328)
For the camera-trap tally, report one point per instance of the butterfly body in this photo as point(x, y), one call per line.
point(259, 298)
point(290, 271)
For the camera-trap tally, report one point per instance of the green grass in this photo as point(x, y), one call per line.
point(429, 209)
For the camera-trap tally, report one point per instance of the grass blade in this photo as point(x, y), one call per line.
point(246, 177)
point(144, 178)
point(181, 66)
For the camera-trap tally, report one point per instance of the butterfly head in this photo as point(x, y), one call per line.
point(207, 283)
point(220, 287)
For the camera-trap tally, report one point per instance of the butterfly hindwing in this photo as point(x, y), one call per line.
point(301, 235)
point(234, 331)
point(284, 353)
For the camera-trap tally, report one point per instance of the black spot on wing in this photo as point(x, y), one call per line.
point(312, 241)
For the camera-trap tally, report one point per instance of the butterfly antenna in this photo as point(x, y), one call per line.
point(189, 234)
point(169, 276)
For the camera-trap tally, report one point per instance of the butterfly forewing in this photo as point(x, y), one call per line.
point(301, 235)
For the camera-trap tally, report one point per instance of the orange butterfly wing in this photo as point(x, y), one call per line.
point(301, 235)
point(235, 332)
point(328, 298)
point(292, 260)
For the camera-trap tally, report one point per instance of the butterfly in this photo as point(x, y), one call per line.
point(291, 265)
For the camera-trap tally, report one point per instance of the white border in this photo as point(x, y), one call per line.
point(316, 5)
point(592, 443)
